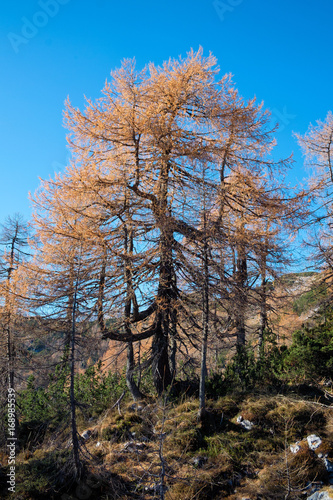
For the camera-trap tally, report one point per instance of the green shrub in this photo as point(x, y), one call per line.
point(240, 373)
point(49, 403)
point(94, 390)
point(311, 354)
point(216, 386)
point(308, 358)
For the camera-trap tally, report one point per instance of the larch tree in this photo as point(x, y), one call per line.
point(13, 238)
point(104, 223)
point(147, 135)
point(151, 139)
point(317, 147)
point(66, 280)
point(205, 291)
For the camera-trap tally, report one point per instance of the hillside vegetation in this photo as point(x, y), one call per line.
point(257, 408)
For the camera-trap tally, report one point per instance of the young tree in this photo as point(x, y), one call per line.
point(317, 147)
point(13, 238)
point(66, 280)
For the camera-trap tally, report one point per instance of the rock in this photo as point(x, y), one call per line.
point(314, 487)
point(313, 441)
point(295, 448)
point(199, 461)
point(86, 434)
point(320, 495)
point(155, 488)
point(328, 465)
point(245, 423)
point(129, 446)
point(136, 407)
point(151, 488)
point(135, 447)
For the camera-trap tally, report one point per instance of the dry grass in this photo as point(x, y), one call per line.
point(256, 463)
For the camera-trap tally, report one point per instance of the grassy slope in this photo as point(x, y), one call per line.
point(214, 459)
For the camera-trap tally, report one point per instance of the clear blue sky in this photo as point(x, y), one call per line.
point(277, 50)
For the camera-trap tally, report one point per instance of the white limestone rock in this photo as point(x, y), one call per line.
point(245, 423)
point(313, 441)
point(294, 448)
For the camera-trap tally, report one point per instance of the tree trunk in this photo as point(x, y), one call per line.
point(173, 352)
point(130, 382)
point(173, 331)
point(130, 366)
point(75, 436)
point(8, 317)
point(263, 302)
point(14, 234)
point(241, 279)
point(10, 351)
point(139, 370)
point(101, 288)
point(162, 375)
point(69, 315)
point(205, 320)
